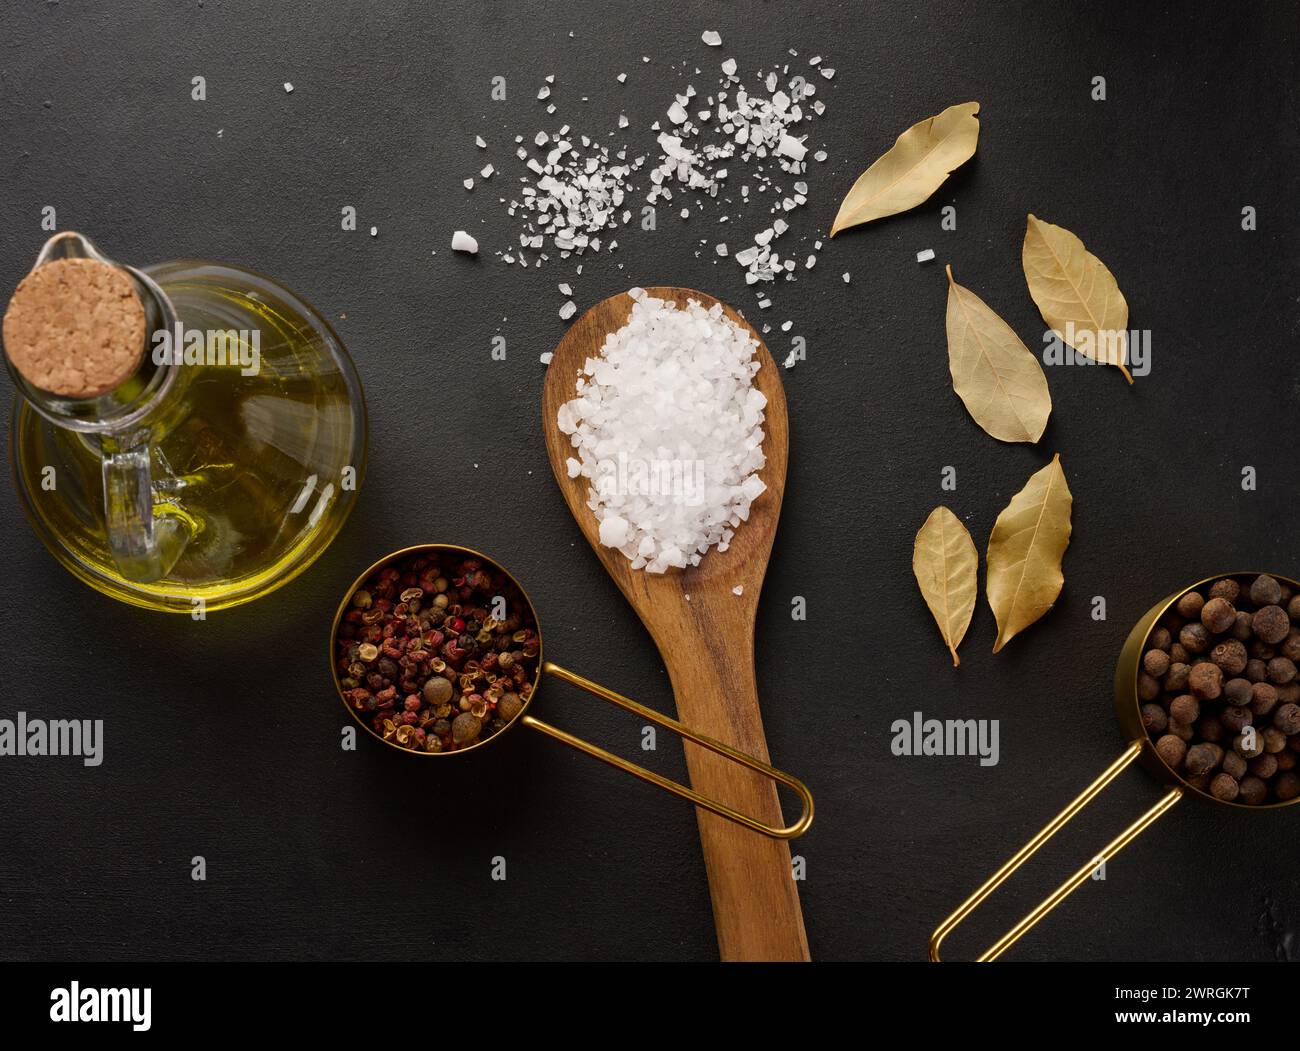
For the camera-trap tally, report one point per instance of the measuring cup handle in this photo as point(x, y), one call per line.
point(1029, 849)
point(668, 785)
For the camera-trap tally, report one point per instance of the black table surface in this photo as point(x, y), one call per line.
point(223, 736)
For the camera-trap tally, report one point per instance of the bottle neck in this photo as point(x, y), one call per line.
point(128, 407)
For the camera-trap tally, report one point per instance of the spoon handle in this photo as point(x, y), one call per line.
point(755, 897)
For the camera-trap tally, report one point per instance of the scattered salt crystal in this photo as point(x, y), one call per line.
point(739, 589)
point(791, 147)
point(846, 277)
point(622, 78)
point(544, 92)
point(487, 172)
point(622, 121)
point(925, 255)
point(827, 72)
point(469, 184)
point(288, 88)
point(546, 356)
point(721, 249)
point(573, 467)
point(786, 326)
point(729, 67)
point(565, 290)
point(568, 310)
point(461, 242)
point(479, 142)
point(374, 231)
point(712, 38)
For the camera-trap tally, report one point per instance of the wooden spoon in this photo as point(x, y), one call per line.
point(707, 644)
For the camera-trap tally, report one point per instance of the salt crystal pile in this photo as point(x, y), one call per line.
point(668, 426)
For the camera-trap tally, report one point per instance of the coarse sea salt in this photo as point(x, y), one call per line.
point(667, 426)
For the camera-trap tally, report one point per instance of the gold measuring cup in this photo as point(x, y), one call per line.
point(1140, 748)
point(527, 719)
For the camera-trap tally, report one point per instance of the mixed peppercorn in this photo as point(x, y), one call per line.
point(1220, 693)
point(437, 651)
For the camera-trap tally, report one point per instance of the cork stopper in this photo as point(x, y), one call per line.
point(75, 328)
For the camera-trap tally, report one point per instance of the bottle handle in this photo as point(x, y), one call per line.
point(144, 546)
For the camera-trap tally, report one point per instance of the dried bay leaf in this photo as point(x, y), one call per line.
point(1076, 294)
point(913, 168)
point(946, 566)
point(997, 378)
point(1023, 566)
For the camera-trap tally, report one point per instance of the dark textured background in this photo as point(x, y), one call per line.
point(222, 737)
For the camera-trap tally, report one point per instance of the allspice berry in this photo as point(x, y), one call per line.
point(1230, 655)
point(1287, 786)
point(1293, 607)
point(465, 728)
point(1235, 718)
point(1235, 765)
point(1161, 639)
point(437, 691)
point(1287, 718)
point(1202, 758)
point(1194, 638)
point(1263, 698)
point(1241, 627)
point(1238, 692)
point(1218, 615)
point(1281, 670)
point(1190, 605)
point(1176, 677)
point(1225, 589)
point(1156, 662)
point(1265, 591)
point(1206, 681)
point(1290, 647)
point(509, 706)
point(1171, 750)
point(1154, 718)
point(1271, 625)
point(1263, 766)
point(1253, 790)
point(1148, 687)
point(1225, 787)
point(1184, 709)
